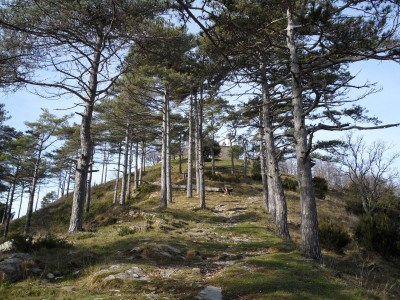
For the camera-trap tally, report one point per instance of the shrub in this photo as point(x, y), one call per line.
point(379, 233)
point(125, 230)
point(320, 187)
point(289, 184)
point(27, 244)
point(333, 237)
point(50, 241)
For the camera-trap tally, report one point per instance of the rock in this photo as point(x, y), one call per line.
point(36, 271)
point(50, 276)
point(133, 273)
point(14, 267)
point(6, 246)
point(210, 293)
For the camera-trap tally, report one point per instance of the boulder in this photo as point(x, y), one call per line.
point(15, 266)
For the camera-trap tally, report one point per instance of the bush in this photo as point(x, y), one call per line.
point(379, 233)
point(27, 244)
point(125, 230)
point(320, 187)
point(289, 184)
point(333, 237)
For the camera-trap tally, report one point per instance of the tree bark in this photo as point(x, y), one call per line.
point(309, 218)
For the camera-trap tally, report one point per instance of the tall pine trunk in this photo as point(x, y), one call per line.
point(309, 218)
point(136, 183)
point(124, 183)
point(118, 170)
point(263, 164)
point(200, 156)
point(168, 149)
point(76, 220)
point(130, 165)
point(164, 153)
point(189, 182)
point(32, 192)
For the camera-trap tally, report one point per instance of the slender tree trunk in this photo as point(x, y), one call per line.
point(309, 218)
point(263, 164)
point(196, 141)
point(69, 179)
point(202, 192)
point(142, 163)
point(118, 170)
point(244, 160)
point(37, 198)
point(124, 183)
point(103, 167)
point(3, 220)
point(168, 150)
point(130, 170)
point(136, 166)
point(32, 192)
point(164, 163)
point(212, 154)
point(89, 182)
point(180, 154)
point(232, 158)
point(277, 195)
point(21, 198)
point(189, 179)
point(9, 207)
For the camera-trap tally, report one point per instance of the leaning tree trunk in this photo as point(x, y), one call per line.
point(37, 198)
point(9, 207)
point(275, 188)
point(21, 198)
point(32, 191)
point(189, 180)
point(200, 156)
point(118, 171)
point(124, 183)
point(309, 218)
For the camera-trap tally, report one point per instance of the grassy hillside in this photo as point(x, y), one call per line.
point(175, 252)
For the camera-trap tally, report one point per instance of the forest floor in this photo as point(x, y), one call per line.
point(140, 251)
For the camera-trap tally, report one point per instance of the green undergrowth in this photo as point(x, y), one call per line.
point(231, 244)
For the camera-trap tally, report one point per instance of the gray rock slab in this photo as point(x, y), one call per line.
point(210, 293)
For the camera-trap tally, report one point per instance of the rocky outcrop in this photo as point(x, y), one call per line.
point(16, 267)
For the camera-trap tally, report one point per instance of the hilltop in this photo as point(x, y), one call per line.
point(140, 251)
